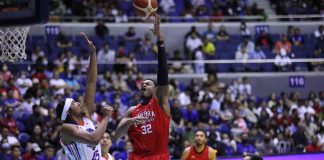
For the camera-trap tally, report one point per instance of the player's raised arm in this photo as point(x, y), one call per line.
point(88, 99)
point(70, 133)
point(162, 91)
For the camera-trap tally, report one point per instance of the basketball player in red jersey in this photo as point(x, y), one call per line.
point(200, 151)
point(147, 123)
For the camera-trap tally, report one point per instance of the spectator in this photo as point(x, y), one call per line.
point(33, 152)
point(130, 35)
point(101, 30)
point(62, 41)
point(296, 39)
point(38, 53)
point(23, 83)
point(121, 17)
point(15, 153)
point(225, 112)
point(242, 53)
point(57, 84)
point(285, 143)
point(244, 146)
point(314, 146)
point(319, 32)
point(37, 136)
point(34, 119)
point(191, 115)
point(9, 121)
point(245, 32)
point(167, 6)
point(210, 34)
point(266, 146)
point(300, 140)
point(176, 67)
point(222, 34)
point(106, 55)
point(230, 143)
point(209, 49)
point(257, 53)
point(5, 135)
point(290, 31)
point(282, 60)
point(193, 29)
point(310, 127)
point(5, 74)
point(176, 113)
point(192, 43)
point(5, 150)
point(320, 135)
point(283, 44)
point(248, 44)
point(264, 107)
point(264, 40)
point(199, 57)
point(49, 153)
point(3, 88)
point(184, 98)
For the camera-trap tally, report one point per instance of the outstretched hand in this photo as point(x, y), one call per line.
point(90, 43)
point(107, 111)
point(156, 29)
point(138, 120)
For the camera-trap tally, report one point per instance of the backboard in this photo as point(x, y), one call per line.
point(23, 12)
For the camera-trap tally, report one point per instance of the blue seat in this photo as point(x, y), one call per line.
point(21, 127)
point(268, 67)
point(254, 66)
point(23, 138)
point(223, 67)
point(24, 116)
point(238, 67)
point(37, 39)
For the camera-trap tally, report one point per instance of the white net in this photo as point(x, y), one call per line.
point(12, 43)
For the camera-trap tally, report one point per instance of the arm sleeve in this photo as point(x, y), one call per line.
point(162, 75)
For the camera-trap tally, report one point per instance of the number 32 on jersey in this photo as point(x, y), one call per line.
point(146, 129)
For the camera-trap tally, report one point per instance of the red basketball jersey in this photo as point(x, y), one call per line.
point(194, 155)
point(152, 137)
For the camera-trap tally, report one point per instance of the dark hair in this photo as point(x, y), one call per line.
point(199, 130)
point(59, 109)
point(14, 146)
point(152, 81)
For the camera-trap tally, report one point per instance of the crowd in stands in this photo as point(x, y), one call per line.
point(122, 10)
point(220, 45)
point(212, 44)
point(298, 7)
point(235, 119)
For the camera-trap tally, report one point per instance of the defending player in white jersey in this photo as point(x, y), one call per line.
point(78, 135)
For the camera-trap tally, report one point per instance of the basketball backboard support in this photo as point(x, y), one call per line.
point(23, 12)
point(15, 18)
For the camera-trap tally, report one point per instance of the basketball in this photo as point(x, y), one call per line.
point(145, 8)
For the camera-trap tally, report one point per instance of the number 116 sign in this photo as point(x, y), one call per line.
point(297, 81)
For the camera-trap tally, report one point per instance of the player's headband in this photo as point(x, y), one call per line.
point(67, 106)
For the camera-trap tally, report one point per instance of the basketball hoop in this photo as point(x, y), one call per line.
point(12, 43)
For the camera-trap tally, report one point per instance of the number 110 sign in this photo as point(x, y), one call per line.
point(297, 81)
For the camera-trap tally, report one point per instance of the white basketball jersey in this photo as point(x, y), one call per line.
point(82, 151)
